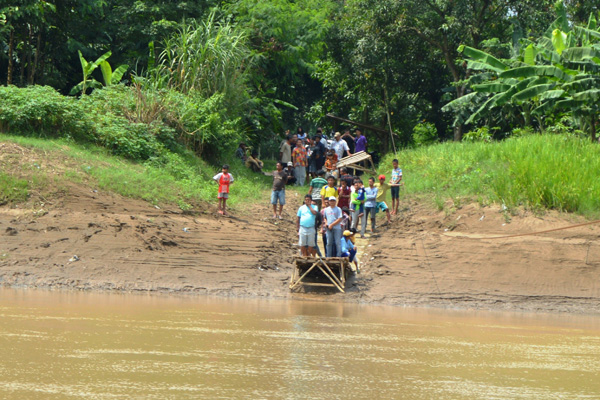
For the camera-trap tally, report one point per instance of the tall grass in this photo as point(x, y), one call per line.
point(547, 171)
point(176, 178)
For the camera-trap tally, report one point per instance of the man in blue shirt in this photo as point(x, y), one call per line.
point(305, 224)
point(333, 219)
point(370, 206)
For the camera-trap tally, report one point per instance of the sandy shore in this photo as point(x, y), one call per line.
point(88, 240)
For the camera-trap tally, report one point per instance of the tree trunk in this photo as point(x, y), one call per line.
point(36, 59)
point(22, 69)
point(457, 130)
point(11, 65)
point(593, 129)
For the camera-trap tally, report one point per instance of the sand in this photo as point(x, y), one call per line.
point(85, 239)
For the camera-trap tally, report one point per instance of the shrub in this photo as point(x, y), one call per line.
point(481, 134)
point(424, 133)
point(42, 111)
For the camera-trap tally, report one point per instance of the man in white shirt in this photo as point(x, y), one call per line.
point(340, 146)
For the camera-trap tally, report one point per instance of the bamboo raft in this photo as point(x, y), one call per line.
point(356, 161)
point(320, 272)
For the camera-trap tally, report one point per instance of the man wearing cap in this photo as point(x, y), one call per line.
point(291, 176)
point(305, 224)
point(340, 146)
point(333, 219)
point(382, 188)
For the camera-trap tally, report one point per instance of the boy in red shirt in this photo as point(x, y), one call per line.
point(344, 193)
point(224, 179)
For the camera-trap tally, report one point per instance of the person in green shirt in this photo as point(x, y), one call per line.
point(382, 188)
point(315, 188)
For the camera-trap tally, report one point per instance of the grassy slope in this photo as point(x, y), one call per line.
point(186, 181)
point(537, 172)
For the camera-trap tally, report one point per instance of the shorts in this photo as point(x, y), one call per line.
point(381, 206)
point(307, 237)
point(278, 195)
point(395, 192)
point(223, 196)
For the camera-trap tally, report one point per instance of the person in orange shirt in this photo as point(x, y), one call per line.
point(331, 162)
point(224, 179)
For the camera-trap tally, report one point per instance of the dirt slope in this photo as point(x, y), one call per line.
point(130, 245)
point(423, 258)
point(463, 260)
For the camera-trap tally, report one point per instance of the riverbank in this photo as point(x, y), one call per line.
point(93, 240)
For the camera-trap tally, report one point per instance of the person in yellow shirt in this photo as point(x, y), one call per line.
point(329, 190)
point(382, 188)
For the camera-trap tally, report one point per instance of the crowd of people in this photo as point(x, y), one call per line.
point(338, 205)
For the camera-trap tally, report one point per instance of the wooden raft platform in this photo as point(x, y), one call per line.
point(354, 162)
point(334, 269)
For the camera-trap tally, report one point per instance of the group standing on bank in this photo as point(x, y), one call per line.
point(338, 205)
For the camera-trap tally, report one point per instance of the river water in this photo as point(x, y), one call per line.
point(65, 345)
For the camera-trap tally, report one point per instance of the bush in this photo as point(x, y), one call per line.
point(42, 111)
point(424, 133)
point(481, 134)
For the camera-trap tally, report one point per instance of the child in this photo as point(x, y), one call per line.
point(224, 179)
point(382, 188)
point(344, 193)
point(315, 187)
point(331, 161)
point(357, 202)
point(395, 183)
point(370, 206)
point(330, 190)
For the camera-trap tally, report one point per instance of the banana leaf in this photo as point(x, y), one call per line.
point(492, 62)
point(531, 92)
point(491, 87)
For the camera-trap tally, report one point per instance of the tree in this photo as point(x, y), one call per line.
point(557, 73)
point(446, 24)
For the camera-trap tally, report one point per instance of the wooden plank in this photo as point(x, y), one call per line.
point(333, 275)
point(306, 273)
point(318, 284)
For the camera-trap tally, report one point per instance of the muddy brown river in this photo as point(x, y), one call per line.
point(65, 345)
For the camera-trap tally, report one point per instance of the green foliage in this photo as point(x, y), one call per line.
point(87, 68)
point(12, 190)
point(41, 110)
point(558, 73)
point(481, 134)
point(424, 133)
point(173, 177)
point(535, 171)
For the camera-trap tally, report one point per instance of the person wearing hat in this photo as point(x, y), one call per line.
point(348, 248)
point(291, 176)
point(340, 146)
point(333, 219)
point(382, 188)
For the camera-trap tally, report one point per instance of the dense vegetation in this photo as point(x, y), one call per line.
point(532, 171)
point(159, 82)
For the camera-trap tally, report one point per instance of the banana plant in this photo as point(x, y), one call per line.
point(87, 69)
point(111, 77)
point(558, 73)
